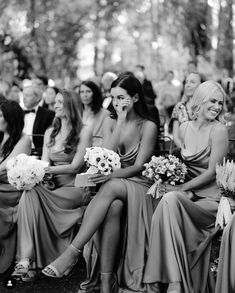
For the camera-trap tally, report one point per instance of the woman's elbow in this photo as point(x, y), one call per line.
point(75, 169)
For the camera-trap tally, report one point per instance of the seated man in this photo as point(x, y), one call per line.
point(36, 119)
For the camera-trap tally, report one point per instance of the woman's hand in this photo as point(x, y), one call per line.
point(122, 108)
point(169, 187)
point(47, 169)
point(99, 178)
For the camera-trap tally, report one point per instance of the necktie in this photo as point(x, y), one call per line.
point(29, 111)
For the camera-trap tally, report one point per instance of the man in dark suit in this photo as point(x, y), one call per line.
point(149, 93)
point(37, 119)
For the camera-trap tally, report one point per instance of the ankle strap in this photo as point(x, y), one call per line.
point(75, 248)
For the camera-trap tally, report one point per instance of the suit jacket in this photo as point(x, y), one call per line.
point(43, 120)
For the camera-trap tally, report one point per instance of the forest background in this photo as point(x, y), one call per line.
point(71, 40)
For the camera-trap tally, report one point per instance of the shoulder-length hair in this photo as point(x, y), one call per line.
point(14, 117)
point(73, 110)
point(133, 88)
point(203, 93)
point(97, 99)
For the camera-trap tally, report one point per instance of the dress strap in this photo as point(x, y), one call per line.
point(185, 134)
point(209, 140)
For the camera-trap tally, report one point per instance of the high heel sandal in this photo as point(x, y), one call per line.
point(114, 286)
point(21, 268)
point(52, 272)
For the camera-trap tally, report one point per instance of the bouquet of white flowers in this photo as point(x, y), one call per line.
point(24, 171)
point(99, 160)
point(164, 170)
point(225, 178)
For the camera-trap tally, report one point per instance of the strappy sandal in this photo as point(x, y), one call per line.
point(21, 268)
point(52, 272)
point(30, 276)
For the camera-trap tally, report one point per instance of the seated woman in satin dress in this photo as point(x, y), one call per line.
point(225, 281)
point(133, 136)
point(93, 113)
point(12, 143)
point(46, 219)
point(183, 223)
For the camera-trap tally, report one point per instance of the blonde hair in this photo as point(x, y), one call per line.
point(202, 94)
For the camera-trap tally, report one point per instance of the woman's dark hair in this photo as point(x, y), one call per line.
point(97, 99)
point(133, 87)
point(56, 90)
point(14, 117)
point(73, 110)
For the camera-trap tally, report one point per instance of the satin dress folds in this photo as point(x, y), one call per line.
point(226, 270)
point(47, 219)
point(181, 233)
point(135, 236)
point(9, 199)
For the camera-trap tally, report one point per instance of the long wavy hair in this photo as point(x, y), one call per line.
point(133, 87)
point(97, 99)
point(73, 110)
point(202, 94)
point(14, 117)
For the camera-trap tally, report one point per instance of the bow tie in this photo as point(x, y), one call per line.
point(29, 111)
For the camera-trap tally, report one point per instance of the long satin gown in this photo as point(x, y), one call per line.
point(136, 231)
point(225, 282)
point(181, 234)
point(47, 219)
point(9, 199)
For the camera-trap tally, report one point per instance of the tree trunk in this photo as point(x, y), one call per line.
point(224, 53)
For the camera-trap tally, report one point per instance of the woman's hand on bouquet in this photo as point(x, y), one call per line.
point(47, 169)
point(99, 178)
point(169, 187)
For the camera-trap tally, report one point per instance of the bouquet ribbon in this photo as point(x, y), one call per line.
point(156, 190)
point(224, 213)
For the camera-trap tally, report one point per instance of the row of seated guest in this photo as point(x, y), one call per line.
point(183, 222)
point(121, 207)
point(62, 133)
point(52, 215)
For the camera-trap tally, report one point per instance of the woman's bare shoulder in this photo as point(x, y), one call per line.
point(219, 129)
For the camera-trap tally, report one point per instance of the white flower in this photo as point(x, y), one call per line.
point(106, 161)
point(24, 171)
point(165, 169)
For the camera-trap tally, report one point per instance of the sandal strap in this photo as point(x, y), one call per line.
point(22, 264)
point(54, 270)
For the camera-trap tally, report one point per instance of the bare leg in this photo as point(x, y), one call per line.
point(93, 218)
point(109, 244)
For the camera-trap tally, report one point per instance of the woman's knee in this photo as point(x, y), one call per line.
point(112, 189)
point(115, 209)
point(172, 197)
